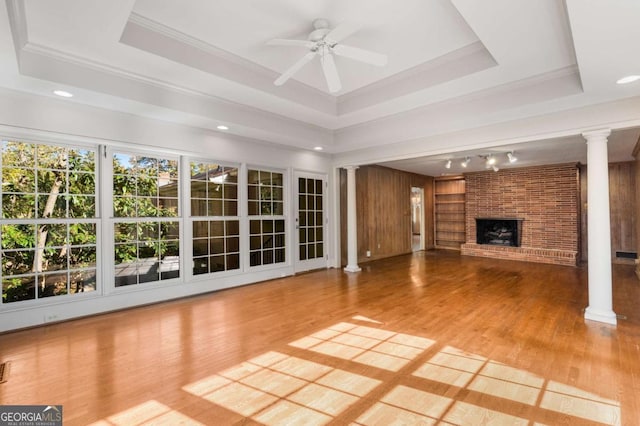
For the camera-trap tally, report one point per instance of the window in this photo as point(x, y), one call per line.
point(146, 229)
point(266, 217)
point(48, 227)
point(214, 212)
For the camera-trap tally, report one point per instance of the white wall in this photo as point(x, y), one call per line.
point(35, 118)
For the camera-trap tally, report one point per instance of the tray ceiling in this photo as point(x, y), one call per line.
point(454, 65)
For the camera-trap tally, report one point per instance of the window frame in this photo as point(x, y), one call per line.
point(111, 220)
point(96, 220)
point(284, 217)
point(190, 218)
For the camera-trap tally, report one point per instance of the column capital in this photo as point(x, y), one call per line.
point(350, 167)
point(598, 134)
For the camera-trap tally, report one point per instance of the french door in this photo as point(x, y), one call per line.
point(310, 221)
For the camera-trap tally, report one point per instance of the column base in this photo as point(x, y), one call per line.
point(352, 268)
point(608, 317)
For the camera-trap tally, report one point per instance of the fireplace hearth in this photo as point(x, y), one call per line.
point(499, 231)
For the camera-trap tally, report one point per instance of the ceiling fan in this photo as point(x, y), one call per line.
point(325, 42)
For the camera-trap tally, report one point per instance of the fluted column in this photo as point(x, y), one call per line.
point(599, 229)
point(352, 222)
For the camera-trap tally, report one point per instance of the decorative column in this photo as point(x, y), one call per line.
point(599, 229)
point(352, 222)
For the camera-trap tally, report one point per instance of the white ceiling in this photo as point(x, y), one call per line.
point(455, 67)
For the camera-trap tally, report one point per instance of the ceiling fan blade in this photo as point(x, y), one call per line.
point(285, 42)
point(361, 55)
point(330, 72)
point(342, 31)
point(294, 68)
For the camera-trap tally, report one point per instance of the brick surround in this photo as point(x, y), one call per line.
point(546, 197)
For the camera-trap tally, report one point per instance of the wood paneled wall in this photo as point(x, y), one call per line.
point(383, 203)
point(636, 155)
point(622, 201)
point(622, 206)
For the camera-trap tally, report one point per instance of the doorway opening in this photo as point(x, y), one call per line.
point(417, 219)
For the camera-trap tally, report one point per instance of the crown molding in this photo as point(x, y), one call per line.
point(18, 23)
point(615, 115)
point(456, 64)
point(53, 65)
point(158, 39)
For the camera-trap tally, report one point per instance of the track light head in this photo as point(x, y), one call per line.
point(448, 165)
point(495, 168)
point(465, 163)
point(489, 161)
point(512, 158)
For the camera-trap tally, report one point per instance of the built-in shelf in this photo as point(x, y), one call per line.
point(449, 199)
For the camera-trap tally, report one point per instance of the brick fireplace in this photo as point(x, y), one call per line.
point(544, 198)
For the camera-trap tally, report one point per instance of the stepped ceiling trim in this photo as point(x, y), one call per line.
point(461, 67)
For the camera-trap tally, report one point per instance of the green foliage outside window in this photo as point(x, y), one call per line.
point(42, 183)
point(145, 188)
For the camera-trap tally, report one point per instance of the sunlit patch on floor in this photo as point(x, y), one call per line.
point(276, 388)
point(462, 413)
point(362, 318)
point(476, 373)
point(149, 412)
point(570, 400)
point(366, 345)
point(409, 403)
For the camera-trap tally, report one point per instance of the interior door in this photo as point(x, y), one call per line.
point(310, 221)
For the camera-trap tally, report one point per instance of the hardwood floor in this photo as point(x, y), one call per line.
point(431, 337)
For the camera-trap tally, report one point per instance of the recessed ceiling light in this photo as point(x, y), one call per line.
point(222, 127)
point(63, 93)
point(628, 79)
point(318, 148)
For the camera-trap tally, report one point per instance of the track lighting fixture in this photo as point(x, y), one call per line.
point(491, 161)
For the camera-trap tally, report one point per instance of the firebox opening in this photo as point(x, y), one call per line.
point(499, 231)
